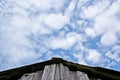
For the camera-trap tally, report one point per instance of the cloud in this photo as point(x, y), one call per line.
point(56, 21)
point(64, 42)
point(93, 56)
point(106, 24)
point(41, 5)
point(108, 39)
point(80, 59)
point(90, 32)
point(114, 54)
point(82, 31)
point(94, 10)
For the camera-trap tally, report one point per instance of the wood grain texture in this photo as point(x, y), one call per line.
point(64, 72)
point(49, 72)
point(57, 72)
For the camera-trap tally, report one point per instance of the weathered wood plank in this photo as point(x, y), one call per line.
point(73, 75)
point(38, 75)
point(32, 76)
point(49, 72)
point(82, 76)
point(64, 72)
point(45, 73)
point(86, 77)
point(57, 72)
point(52, 72)
point(28, 76)
point(79, 74)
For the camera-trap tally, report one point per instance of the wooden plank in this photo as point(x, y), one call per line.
point(38, 75)
point(82, 76)
point(49, 72)
point(32, 76)
point(28, 76)
point(73, 75)
point(52, 72)
point(45, 73)
point(57, 72)
point(64, 72)
point(79, 74)
point(61, 71)
point(86, 76)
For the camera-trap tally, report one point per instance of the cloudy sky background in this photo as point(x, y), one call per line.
point(82, 31)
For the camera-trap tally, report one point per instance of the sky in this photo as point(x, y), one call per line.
point(82, 31)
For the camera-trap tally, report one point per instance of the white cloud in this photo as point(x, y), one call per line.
point(80, 58)
point(108, 39)
point(116, 47)
point(105, 24)
point(64, 42)
point(16, 47)
point(56, 21)
point(108, 20)
point(41, 5)
point(57, 4)
point(13, 35)
point(37, 26)
point(93, 56)
point(20, 22)
point(23, 4)
point(70, 8)
point(113, 63)
point(114, 56)
point(39, 29)
point(49, 54)
point(28, 27)
point(90, 32)
point(95, 9)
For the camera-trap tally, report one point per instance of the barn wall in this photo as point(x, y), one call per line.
point(56, 72)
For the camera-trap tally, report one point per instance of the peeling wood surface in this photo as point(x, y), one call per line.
point(55, 72)
point(32, 76)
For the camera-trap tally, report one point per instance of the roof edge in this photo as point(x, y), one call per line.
point(97, 72)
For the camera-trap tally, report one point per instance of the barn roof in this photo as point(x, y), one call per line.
point(95, 72)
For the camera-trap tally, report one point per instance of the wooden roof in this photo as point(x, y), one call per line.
point(95, 72)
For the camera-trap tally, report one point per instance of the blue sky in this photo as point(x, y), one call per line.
point(82, 31)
